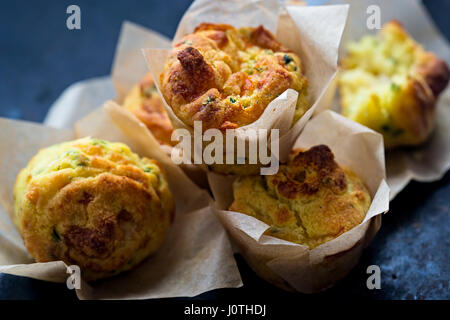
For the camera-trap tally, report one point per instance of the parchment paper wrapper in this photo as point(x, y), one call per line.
point(196, 255)
point(129, 67)
point(431, 160)
point(311, 32)
point(296, 267)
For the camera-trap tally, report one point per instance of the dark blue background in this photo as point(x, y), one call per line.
point(40, 57)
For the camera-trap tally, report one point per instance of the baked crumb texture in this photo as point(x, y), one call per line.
point(310, 201)
point(94, 204)
point(390, 84)
point(226, 77)
point(146, 104)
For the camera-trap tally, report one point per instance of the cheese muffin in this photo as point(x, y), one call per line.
point(310, 201)
point(94, 204)
point(390, 84)
point(226, 77)
point(146, 104)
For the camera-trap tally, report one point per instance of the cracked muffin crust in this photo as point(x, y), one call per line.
point(310, 201)
point(146, 104)
point(94, 204)
point(390, 84)
point(226, 77)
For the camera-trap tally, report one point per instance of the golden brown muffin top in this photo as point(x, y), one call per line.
point(390, 84)
point(226, 77)
point(92, 203)
point(394, 52)
point(311, 200)
point(146, 104)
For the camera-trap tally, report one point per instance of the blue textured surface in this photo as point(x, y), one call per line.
point(39, 58)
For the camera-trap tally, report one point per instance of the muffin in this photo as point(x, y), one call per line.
point(94, 204)
point(310, 201)
point(390, 84)
point(146, 104)
point(226, 77)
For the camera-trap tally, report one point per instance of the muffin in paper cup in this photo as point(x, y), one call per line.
point(294, 266)
point(185, 265)
point(300, 29)
point(431, 160)
point(92, 203)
